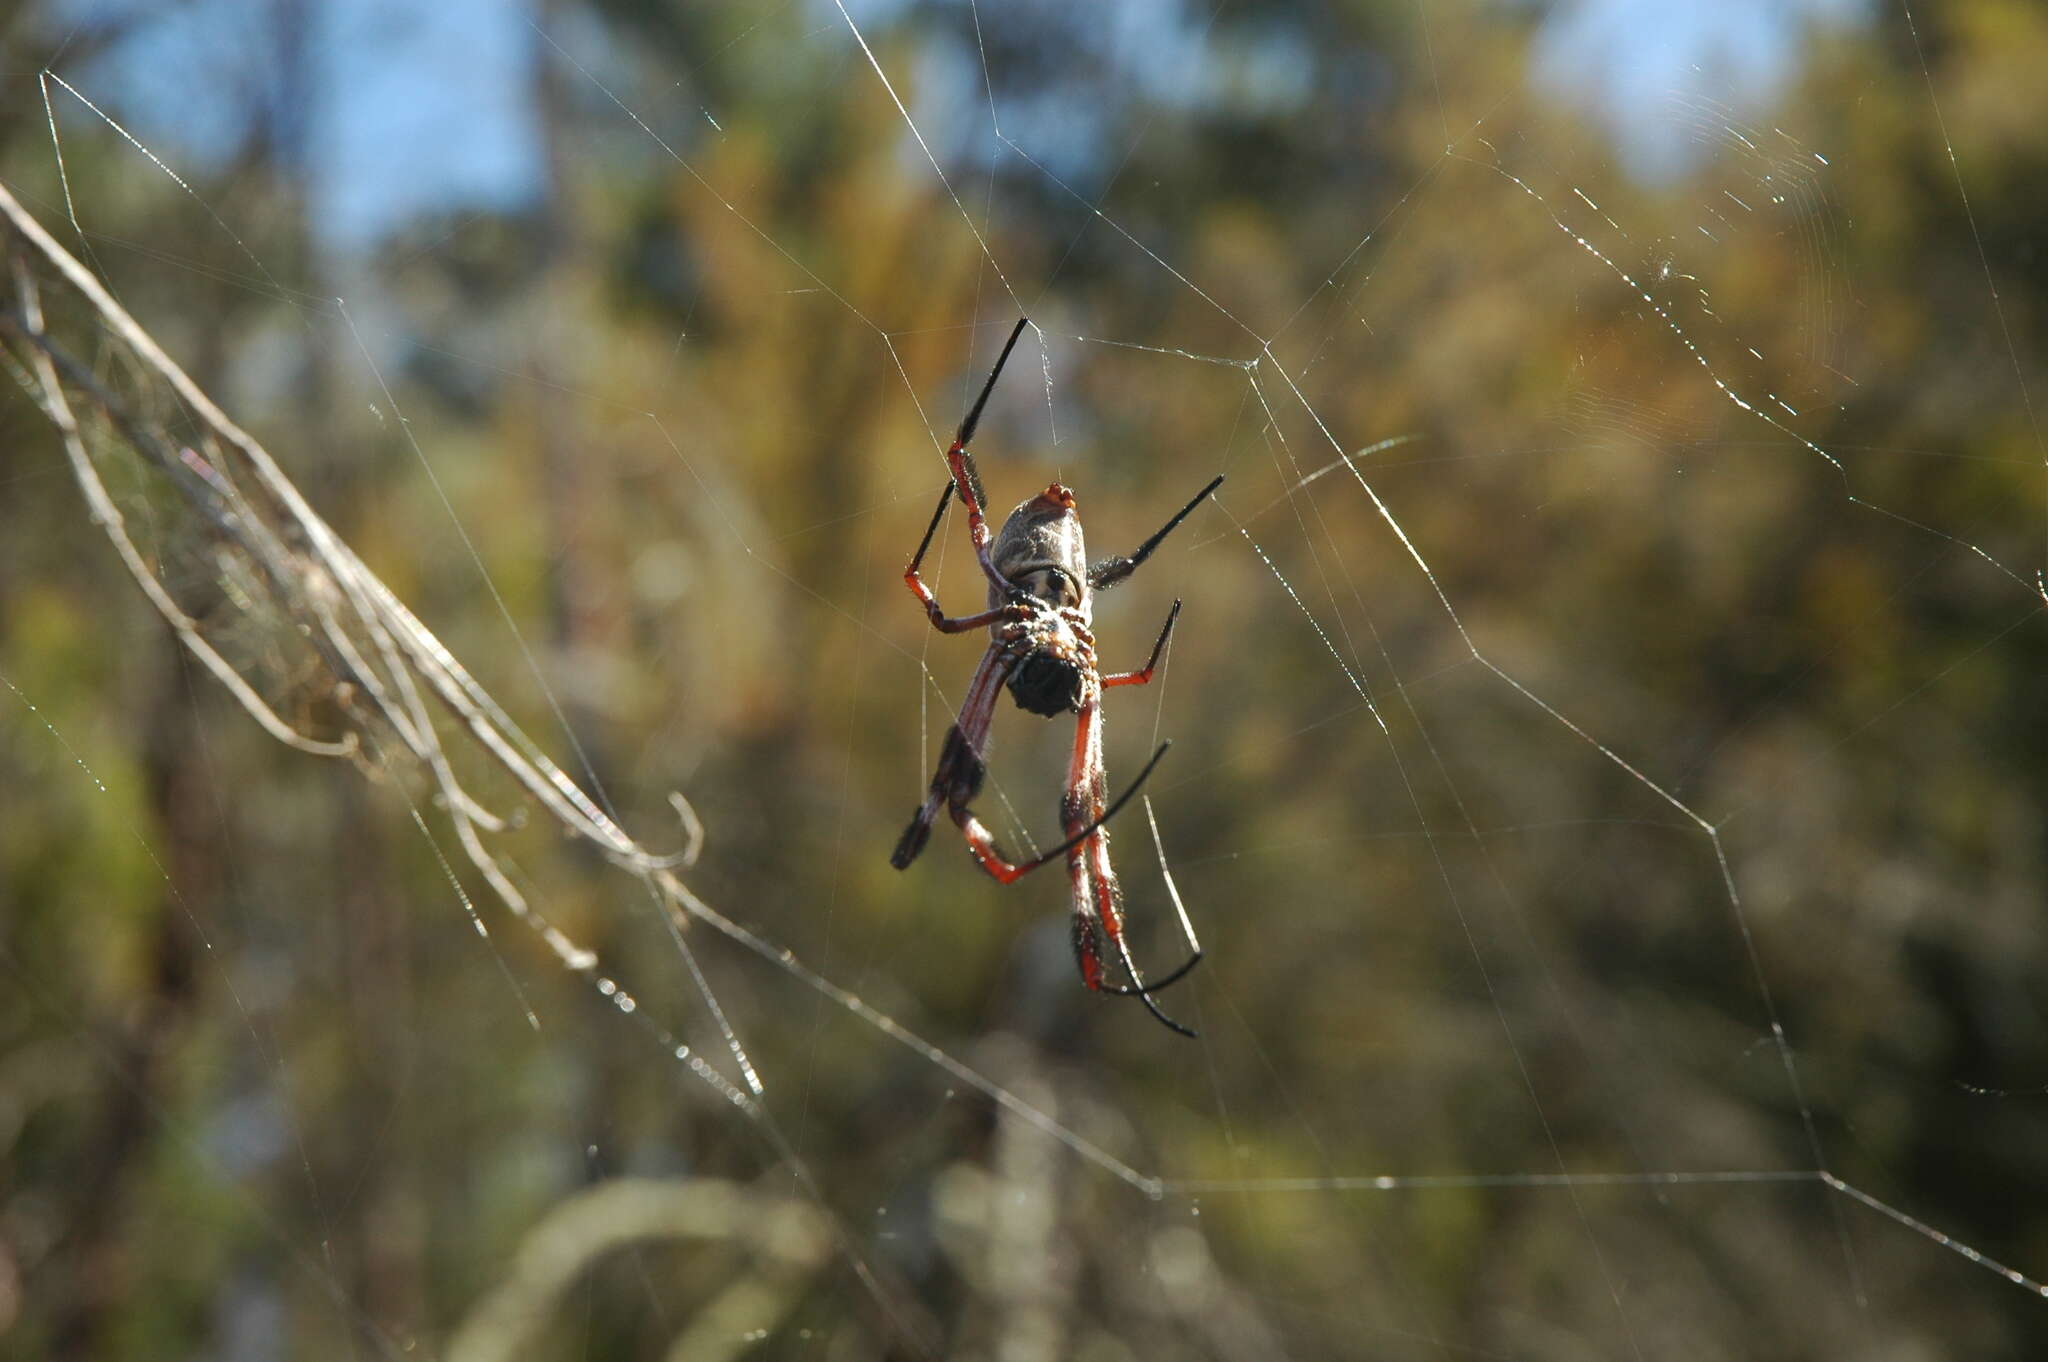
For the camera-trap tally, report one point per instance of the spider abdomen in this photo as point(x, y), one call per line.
point(1046, 683)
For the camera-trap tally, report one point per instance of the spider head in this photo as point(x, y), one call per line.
point(1047, 683)
point(1039, 551)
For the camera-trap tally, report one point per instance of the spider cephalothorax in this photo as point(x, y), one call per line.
point(1041, 646)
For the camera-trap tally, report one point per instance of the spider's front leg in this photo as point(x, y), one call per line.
point(982, 844)
point(961, 764)
point(1098, 913)
point(1097, 897)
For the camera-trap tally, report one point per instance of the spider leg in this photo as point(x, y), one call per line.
point(1144, 674)
point(966, 479)
point(1143, 993)
point(1109, 908)
point(1112, 570)
point(1159, 985)
point(1098, 904)
point(961, 761)
point(940, 620)
point(983, 845)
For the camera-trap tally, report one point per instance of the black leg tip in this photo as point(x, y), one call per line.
point(912, 842)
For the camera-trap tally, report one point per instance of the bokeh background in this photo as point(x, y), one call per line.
point(622, 339)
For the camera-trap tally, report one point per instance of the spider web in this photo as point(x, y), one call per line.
point(1570, 988)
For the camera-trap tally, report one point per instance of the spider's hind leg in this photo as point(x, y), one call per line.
point(1115, 568)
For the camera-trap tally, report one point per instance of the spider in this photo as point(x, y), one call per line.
point(1041, 647)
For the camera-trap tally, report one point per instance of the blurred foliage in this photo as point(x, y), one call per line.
point(264, 1092)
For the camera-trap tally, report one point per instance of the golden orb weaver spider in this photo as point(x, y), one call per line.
point(1040, 607)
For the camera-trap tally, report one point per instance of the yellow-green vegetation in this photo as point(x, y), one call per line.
point(1732, 476)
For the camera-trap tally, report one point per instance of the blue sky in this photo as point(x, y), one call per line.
point(427, 108)
point(411, 108)
point(1627, 62)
